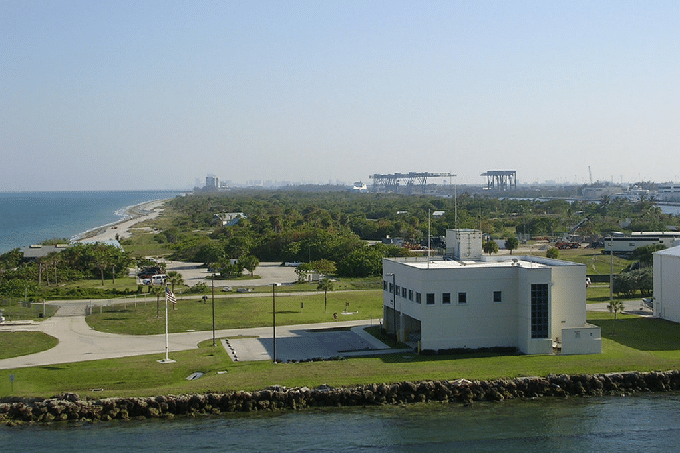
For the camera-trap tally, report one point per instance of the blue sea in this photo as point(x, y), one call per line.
point(32, 217)
point(646, 423)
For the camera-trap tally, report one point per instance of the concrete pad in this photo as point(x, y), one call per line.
point(295, 343)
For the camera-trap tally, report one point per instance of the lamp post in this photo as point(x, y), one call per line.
point(611, 270)
point(274, 319)
point(213, 306)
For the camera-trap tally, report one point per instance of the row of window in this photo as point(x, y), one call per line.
point(430, 297)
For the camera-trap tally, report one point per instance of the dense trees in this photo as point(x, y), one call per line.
point(308, 226)
point(73, 263)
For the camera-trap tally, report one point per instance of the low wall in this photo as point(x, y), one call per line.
point(70, 407)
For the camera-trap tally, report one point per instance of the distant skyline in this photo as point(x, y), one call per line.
point(136, 95)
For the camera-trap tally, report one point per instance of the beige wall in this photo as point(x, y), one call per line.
point(481, 322)
point(667, 286)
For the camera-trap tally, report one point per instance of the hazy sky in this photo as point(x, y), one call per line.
point(154, 94)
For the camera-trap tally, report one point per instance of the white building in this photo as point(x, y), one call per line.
point(627, 244)
point(666, 284)
point(527, 302)
point(668, 192)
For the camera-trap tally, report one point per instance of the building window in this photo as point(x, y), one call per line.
point(539, 310)
point(410, 295)
point(384, 285)
point(446, 298)
point(403, 292)
point(497, 296)
point(418, 297)
point(391, 288)
point(462, 298)
point(397, 291)
point(429, 299)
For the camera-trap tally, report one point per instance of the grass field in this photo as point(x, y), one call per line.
point(630, 343)
point(596, 262)
point(15, 344)
point(235, 312)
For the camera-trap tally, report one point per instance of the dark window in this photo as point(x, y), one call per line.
point(397, 291)
point(429, 299)
point(410, 294)
point(539, 310)
point(403, 292)
point(391, 288)
point(446, 298)
point(462, 298)
point(417, 297)
point(384, 285)
point(497, 296)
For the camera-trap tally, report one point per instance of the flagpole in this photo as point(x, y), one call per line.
point(167, 342)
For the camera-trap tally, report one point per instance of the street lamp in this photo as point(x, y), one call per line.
point(274, 319)
point(213, 307)
point(611, 270)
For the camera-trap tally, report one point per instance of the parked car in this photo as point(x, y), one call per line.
point(149, 272)
point(155, 280)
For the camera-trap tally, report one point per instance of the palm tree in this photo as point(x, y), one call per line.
point(326, 285)
point(174, 278)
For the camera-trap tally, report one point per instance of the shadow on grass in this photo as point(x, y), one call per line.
point(644, 334)
point(415, 357)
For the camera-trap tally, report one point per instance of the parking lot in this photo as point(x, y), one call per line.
point(269, 273)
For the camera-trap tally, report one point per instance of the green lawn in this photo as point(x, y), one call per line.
point(235, 312)
point(596, 262)
point(630, 343)
point(15, 344)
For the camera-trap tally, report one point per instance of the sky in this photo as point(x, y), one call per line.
point(134, 95)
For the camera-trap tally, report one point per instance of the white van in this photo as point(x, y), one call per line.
point(155, 280)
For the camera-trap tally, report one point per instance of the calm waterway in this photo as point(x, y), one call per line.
point(648, 423)
point(31, 217)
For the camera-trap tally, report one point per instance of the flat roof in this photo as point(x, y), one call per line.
point(673, 251)
point(443, 264)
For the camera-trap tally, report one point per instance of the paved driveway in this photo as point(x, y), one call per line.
point(78, 342)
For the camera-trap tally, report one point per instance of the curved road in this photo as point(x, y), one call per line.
point(79, 342)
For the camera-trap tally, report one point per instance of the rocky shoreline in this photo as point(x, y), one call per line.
point(70, 406)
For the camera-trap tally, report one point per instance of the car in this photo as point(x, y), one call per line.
point(149, 272)
point(226, 288)
point(155, 280)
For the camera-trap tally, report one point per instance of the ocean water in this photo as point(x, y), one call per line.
point(31, 217)
point(649, 423)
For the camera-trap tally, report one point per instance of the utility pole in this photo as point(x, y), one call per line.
point(213, 307)
point(274, 318)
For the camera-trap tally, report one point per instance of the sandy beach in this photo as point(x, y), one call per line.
point(121, 230)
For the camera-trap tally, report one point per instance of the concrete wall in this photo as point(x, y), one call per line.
point(481, 322)
point(667, 285)
point(526, 277)
point(464, 244)
point(568, 293)
point(582, 340)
